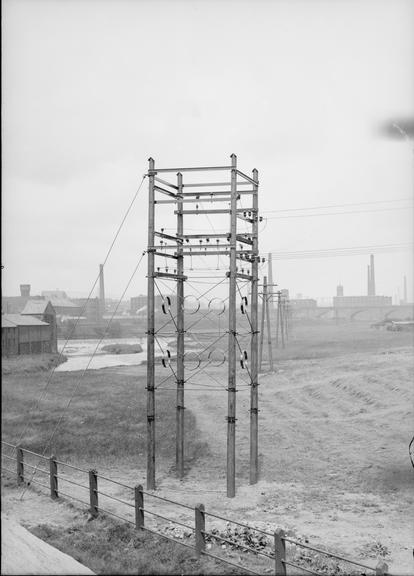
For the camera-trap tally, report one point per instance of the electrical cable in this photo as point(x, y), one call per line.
point(337, 205)
point(84, 372)
point(43, 392)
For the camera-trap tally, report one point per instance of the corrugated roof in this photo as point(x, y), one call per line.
point(63, 303)
point(6, 323)
point(12, 320)
point(35, 307)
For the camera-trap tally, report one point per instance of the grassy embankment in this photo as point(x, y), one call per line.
point(110, 548)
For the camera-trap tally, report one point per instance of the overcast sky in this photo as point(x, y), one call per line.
point(297, 89)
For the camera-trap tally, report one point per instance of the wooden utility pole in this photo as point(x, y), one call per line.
point(231, 415)
point(254, 371)
point(262, 323)
point(150, 334)
point(180, 334)
point(269, 333)
point(270, 276)
point(265, 315)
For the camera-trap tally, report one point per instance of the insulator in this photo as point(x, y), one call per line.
point(261, 219)
point(168, 300)
point(162, 229)
point(207, 239)
point(175, 271)
point(196, 206)
point(244, 214)
point(166, 268)
point(158, 269)
point(250, 214)
point(187, 240)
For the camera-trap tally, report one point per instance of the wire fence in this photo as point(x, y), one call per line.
point(274, 550)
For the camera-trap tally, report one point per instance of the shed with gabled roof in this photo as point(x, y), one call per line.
point(25, 334)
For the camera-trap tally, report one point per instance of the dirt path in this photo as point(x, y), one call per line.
point(21, 551)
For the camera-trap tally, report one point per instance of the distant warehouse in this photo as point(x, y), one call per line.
point(28, 334)
point(361, 301)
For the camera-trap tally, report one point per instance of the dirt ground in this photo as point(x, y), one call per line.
point(335, 423)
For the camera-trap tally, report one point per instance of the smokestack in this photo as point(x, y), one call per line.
point(369, 282)
point(372, 275)
point(101, 291)
point(25, 290)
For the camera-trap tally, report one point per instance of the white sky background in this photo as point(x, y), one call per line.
point(296, 89)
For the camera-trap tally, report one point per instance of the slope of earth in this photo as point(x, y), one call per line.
point(336, 418)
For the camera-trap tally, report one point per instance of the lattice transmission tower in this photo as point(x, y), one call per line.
point(237, 245)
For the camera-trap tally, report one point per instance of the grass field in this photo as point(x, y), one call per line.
point(105, 422)
point(336, 417)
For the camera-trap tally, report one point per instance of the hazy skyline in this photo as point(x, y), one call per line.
point(296, 89)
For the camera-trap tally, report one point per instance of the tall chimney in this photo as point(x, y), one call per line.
point(25, 290)
point(101, 291)
point(369, 282)
point(372, 275)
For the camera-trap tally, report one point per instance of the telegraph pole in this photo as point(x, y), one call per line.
point(231, 416)
point(254, 374)
point(269, 334)
point(180, 334)
point(150, 334)
point(262, 323)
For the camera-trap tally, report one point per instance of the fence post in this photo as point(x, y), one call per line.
point(200, 526)
point(139, 507)
point(280, 552)
point(20, 465)
point(381, 569)
point(93, 492)
point(53, 477)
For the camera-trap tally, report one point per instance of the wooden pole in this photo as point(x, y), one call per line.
point(278, 319)
point(269, 334)
point(20, 465)
point(282, 321)
point(93, 493)
point(262, 329)
point(254, 372)
point(150, 335)
point(280, 552)
point(53, 477)
point(139, 507)
point(180, 336)
point(231, 415)
point(270, 277)
point(200, 527)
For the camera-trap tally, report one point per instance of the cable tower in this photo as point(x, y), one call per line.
point(173, 258)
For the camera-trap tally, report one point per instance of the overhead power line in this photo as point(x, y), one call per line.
point(337, 205)
point(334, 252)
point(339, 213)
